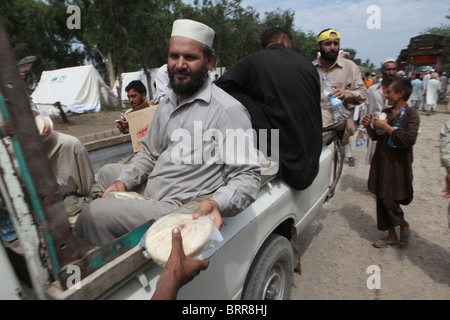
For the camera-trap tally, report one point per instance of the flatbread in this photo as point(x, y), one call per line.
point(125, 195)
point(195, 233)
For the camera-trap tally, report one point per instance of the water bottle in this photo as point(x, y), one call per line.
point(7, 230)
point(361, 140)
point(399, 122)
point(336, 104)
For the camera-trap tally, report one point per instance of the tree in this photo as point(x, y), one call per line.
point(445, 31)
point(118, 36)
point(39, 29)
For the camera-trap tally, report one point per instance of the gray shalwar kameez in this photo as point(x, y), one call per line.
point(170, 172)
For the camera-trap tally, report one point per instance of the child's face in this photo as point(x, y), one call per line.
point(392, 96)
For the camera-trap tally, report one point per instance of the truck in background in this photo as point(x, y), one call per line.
point(423, 54)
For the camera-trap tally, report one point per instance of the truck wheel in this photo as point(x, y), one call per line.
point(271, 275)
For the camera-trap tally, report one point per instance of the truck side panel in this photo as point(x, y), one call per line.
point(243, 236)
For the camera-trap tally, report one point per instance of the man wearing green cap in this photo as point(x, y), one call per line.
point(349, 86)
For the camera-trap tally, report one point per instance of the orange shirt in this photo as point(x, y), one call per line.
point(368, 83)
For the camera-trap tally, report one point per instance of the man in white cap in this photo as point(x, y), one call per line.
point(376, 101)
point(425, 80)
point(169, 172)
point(71, 166)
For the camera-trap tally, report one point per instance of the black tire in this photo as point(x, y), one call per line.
point(272, 272)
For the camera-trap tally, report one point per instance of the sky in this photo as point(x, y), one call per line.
point(375, 29)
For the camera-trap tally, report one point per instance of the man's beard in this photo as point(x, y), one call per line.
point(326, 56)
point(389, 76)
point(190, 87)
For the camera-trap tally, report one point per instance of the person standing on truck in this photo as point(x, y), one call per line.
point(391, 173)
point(349, 87)
point(168, 172)
point(281, 90)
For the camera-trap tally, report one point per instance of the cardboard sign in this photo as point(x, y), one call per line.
point(138, 122)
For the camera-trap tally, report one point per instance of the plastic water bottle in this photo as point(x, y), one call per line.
point(7, 230)
point(361, 140)
point(399, 122)
point(336, 104)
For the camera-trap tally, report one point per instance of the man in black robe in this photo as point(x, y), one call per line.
point(281, 90)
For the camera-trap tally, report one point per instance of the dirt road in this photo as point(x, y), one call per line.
point(336, 249)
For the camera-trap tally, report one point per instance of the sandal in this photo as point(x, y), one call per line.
point(383, 243)
point(404, 238)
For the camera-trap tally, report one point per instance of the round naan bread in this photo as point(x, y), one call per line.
point(195, 233)
point(125, 195)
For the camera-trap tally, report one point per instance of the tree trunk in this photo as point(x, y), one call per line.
point(110, 67)
point(149, 78)
point(61, 112)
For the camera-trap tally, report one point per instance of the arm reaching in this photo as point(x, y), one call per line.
point(179, 270)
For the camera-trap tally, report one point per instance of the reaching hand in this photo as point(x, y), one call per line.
point(178, 271)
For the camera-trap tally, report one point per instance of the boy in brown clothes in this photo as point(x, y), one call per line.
point(391, 176)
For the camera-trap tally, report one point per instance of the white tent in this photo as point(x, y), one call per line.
point(127, 77)
point(78, 89)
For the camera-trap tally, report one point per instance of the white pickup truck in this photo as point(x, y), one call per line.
point(255, 260)
point(40, 257)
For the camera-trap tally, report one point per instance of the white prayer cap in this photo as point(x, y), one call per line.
point(43, 121)
point(387, 60)
point(193, 30)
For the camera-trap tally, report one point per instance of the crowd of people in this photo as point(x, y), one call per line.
point(275, 89)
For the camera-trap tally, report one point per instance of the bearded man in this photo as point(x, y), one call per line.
point(183, 155)
point(376, 99)
point(348, 87)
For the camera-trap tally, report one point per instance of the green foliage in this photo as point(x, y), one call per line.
point(445, 31)
point(39, 29)
point(119, 36)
